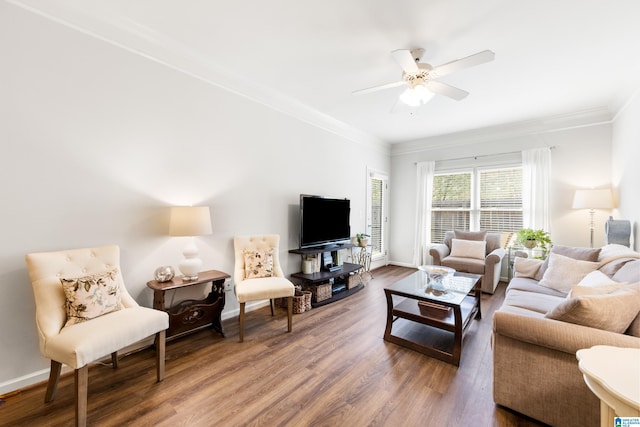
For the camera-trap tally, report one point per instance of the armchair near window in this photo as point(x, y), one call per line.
point(476, 252)
point(84, 313)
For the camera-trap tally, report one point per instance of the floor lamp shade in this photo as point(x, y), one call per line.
point(593, 199)
point(190, 221)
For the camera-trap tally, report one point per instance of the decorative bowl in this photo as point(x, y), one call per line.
point(164, 273)
point(436, 278)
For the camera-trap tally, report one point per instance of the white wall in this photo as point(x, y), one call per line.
point(98, 142)
point(626, 168)
point(580, 159)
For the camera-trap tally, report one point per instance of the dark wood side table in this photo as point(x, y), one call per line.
point(189, 315)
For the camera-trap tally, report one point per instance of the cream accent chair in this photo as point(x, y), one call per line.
point(262, 288)
point(79, 344)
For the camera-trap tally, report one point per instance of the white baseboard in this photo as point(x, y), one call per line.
point(402, 264)
point(43, 374)
point(24, 381)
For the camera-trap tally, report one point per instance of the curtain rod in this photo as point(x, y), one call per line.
point(483, 155)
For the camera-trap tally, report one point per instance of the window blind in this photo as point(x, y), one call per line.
point(495, 204)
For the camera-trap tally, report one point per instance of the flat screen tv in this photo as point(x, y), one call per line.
point(323, 220)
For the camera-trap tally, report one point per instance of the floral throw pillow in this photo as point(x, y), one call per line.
point(91, 296)
point(258, 264)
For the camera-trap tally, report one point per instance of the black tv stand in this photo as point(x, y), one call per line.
point(338, 275)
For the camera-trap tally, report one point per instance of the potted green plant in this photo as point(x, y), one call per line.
point(531, 238)
point(362, 239)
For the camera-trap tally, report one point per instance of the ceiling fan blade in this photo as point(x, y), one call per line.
point(446, 90)
point(377, 88)
point(405, 59)
point(459, 64)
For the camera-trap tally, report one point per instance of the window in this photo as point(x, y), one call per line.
point(451, 204)
point(501, 199)
point(479, 199)
point(376, 213)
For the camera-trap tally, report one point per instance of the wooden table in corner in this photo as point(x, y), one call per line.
point(613, 375)
point(433, 323)
point(190, 315)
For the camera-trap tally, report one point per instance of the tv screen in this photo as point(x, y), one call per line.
point(323, 220)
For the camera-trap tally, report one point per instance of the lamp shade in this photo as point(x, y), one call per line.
point(190, 221)
point(593, 199)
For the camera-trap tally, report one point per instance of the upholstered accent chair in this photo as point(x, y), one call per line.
point(258, 275)
point(476, 252)
point(84, 313)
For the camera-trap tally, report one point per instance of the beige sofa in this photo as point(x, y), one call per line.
point(535, 338)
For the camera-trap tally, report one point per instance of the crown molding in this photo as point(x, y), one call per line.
point(557, 123)
point(141, 40)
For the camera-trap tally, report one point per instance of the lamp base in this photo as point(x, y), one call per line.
point(190, 265)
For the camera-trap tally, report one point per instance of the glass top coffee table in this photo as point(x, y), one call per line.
point(432, 323)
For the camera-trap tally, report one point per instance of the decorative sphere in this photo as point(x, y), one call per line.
point(164, 273)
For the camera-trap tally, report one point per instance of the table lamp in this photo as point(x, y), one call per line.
point(190, 221)
point(592, 200)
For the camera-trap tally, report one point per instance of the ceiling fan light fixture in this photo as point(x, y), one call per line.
point(416, 96)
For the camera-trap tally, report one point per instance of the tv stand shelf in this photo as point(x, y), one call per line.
point(325, 276)
point(338, 278)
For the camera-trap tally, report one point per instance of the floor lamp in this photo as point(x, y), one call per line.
point(592, 200)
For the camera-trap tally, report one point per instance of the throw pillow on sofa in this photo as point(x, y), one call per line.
point(526, 267)
point(582, 254)
point(468, 248)
point(564, 272)
point(610, 312)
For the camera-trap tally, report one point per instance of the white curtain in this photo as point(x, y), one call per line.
point(424, 194)
point(536, 173)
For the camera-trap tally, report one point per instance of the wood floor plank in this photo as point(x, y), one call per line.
point(333, 369)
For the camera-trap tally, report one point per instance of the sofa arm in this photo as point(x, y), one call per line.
point(495, 256)
point(438, 252)
point(557, 335)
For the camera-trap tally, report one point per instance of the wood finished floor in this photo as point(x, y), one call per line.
point(334, 369)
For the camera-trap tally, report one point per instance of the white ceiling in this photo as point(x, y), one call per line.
point(553, 57)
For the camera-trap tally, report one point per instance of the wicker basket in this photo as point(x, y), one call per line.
point(301, 302)
point(353, 281)
point(320, 292)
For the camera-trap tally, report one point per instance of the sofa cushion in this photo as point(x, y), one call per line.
point(611, 268)
point(582, 254)
point(520, 311)
point(564, 272)
point(611, 312)
point(629, 272)
point(532, 285)
point(469, 235)
point(532, 301)
point(468, 248)
point(467, 265)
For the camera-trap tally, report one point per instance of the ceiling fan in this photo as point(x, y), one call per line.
point(420, 76)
